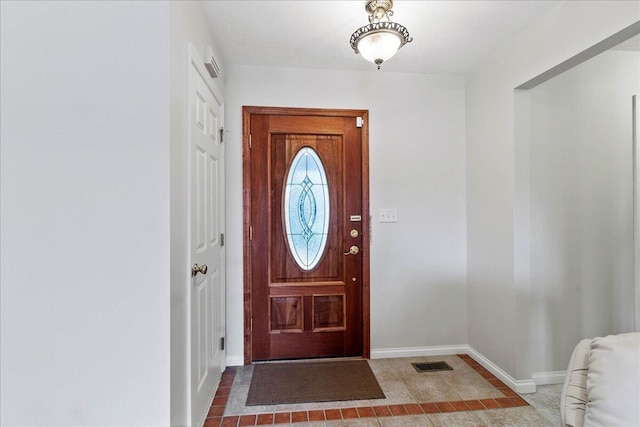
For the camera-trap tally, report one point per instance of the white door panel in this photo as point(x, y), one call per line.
point(207, 198)
point(636, 207)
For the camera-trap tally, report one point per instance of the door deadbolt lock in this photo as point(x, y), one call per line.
point(353, 250)
point(354, 233)
point(198, 269)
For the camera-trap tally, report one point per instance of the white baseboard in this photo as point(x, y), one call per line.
point(383, 353)
point(547, 378)
point(235, 360)
point(519, 386)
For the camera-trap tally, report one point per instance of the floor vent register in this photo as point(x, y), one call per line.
point(432, 367)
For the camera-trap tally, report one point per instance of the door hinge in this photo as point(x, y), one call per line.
point(359, 122)
point(222, 134)
point(221, 343)
point(250, 233)
point(249, 140)
point(251, 324)
point(222, 239)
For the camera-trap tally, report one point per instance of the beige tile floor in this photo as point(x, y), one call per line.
point(405, 388)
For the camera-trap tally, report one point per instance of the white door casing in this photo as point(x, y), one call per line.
point(207, 299)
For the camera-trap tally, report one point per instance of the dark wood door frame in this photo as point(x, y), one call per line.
point(247, 112)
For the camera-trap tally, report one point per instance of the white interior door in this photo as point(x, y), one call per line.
point(207, 255)
point(636, 210)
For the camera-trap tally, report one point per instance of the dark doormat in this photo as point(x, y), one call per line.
point(277, 383)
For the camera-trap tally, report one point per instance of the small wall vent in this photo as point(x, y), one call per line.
point(210, 62)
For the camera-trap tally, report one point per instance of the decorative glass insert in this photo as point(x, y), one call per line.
point(306, 208)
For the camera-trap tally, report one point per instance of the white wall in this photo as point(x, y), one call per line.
point(187, 25)
point(85, 213)
point(418, 283)
point(497, 302)
point(581, 188)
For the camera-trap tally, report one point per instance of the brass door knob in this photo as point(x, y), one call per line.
point(198, 269)
point(353, 250)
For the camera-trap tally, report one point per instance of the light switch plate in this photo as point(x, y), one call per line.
point(387, 215)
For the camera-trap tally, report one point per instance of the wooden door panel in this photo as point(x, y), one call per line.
point(310, 124)
point(257, 160)
point(306, 310)
point(284, 268)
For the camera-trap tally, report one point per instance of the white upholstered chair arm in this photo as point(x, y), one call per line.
point(574, 393)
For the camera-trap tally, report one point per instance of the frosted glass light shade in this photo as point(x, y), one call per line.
point(379, 46)
point(379, 41)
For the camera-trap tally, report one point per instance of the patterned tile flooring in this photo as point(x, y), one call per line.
point(467, 396)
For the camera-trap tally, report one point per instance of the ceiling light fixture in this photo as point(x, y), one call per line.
point(381, 39)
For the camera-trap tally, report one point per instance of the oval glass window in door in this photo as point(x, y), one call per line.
point(306, 208)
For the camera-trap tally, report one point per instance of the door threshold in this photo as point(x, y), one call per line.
point(320, 359)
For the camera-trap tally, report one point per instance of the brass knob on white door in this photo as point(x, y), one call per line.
point(353, 250)
point(198, 269)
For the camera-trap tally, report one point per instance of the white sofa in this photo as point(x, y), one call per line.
point(602, 386)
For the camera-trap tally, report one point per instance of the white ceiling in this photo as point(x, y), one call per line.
point(449, 36)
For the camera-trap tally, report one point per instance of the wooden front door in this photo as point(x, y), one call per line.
point(306, 233)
